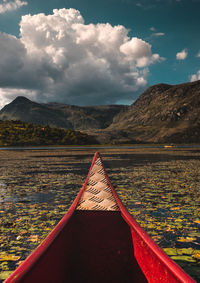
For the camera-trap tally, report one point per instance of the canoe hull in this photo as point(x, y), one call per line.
point(98, 245)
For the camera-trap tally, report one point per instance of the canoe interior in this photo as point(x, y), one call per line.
point(94, 246)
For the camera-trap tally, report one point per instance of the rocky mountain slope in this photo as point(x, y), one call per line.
point(163, 113)
point(60, 115)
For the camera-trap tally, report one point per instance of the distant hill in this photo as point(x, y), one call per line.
point(17, 133)
point(60, 115)
point(163, 113)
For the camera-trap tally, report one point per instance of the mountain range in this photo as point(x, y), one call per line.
point(163, 113)
point(60, 115)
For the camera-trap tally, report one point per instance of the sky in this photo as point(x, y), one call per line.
point(91, 52)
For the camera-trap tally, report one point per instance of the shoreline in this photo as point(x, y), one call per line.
point(126, 146)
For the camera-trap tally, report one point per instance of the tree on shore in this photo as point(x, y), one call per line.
point(17, 133)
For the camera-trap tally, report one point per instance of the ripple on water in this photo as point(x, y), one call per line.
point(4, 196)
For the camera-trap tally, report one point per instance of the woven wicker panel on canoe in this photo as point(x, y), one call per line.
point(97, 195)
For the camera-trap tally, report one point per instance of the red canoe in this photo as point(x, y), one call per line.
point(98, 241)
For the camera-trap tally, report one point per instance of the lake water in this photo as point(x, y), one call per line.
point(159, 186)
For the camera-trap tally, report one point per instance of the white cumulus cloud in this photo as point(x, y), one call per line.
point(152, 29)
point(182, 55)
point(60, 58)
point(158, 34)
point(195, 77)
point(7, 5)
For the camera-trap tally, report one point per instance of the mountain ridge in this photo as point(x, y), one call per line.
point(60, 115)
point(163, 113)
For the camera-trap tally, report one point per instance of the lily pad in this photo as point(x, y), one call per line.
point(170, 251)
point(9, 257)
point(183, 258)
point(187, 239)
point(188, 251)
point(5, 274)
point(196, 254)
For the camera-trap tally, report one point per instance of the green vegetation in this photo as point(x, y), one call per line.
point(17, 133)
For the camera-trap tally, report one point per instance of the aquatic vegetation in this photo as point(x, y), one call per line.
point(160, 190)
